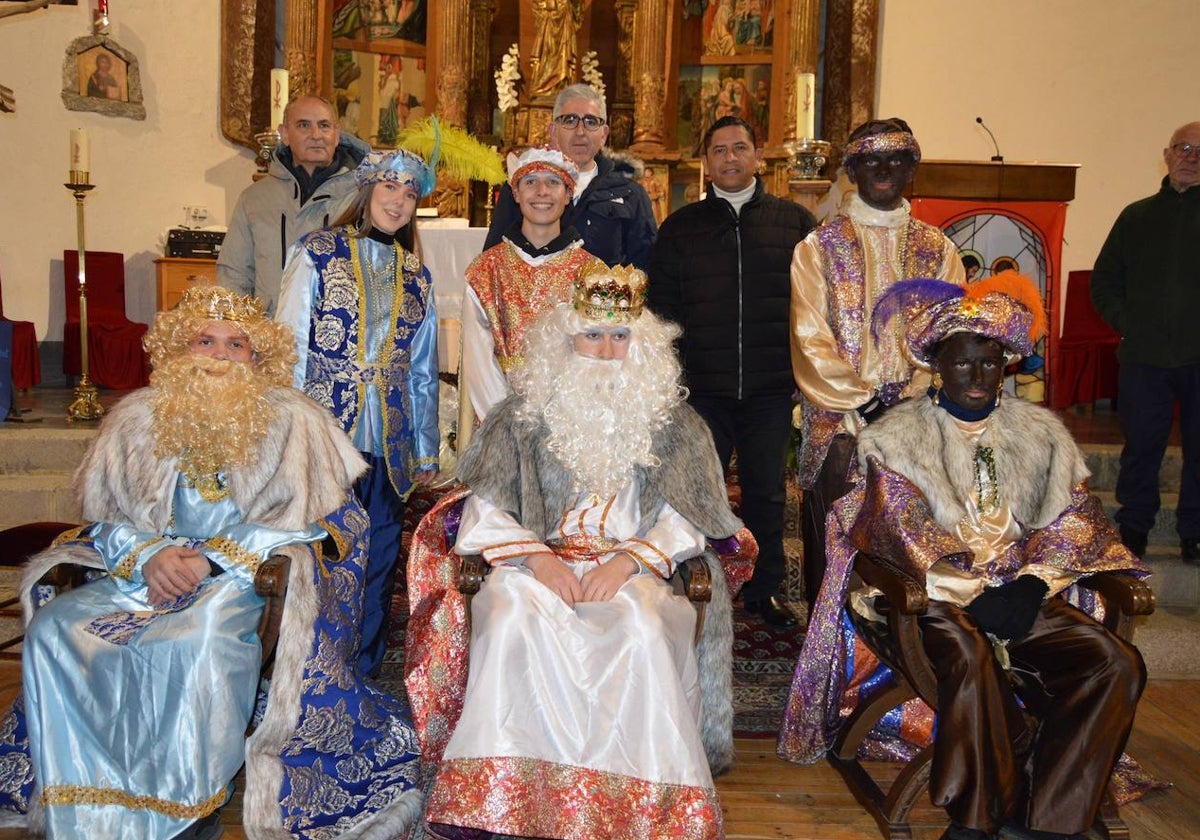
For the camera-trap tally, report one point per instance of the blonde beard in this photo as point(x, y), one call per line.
point(209, 422)
point(601, 417)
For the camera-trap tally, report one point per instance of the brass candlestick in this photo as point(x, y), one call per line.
point(267, 141)
point(808, 158)
point(86, 405)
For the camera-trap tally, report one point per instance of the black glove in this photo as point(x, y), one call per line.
point(872, 410)
point(1009, 610)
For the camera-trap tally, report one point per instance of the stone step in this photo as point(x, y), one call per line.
point(1175, 583)
point(1163, 533)
point(37, 497)
point(32, 448)
point(1104, 461)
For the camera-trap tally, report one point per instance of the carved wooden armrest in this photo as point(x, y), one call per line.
point(1124, 591)
point(904, 592)
point(1124, 597)
point(697, 579)
point(271, 582)
point(470, 574)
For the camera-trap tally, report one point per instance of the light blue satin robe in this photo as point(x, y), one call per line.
point(137, 715)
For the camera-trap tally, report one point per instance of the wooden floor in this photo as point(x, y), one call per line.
point(765, 798)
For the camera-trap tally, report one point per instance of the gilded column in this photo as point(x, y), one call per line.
point(300, 47)
point(479, 75)
point(453, 45)
point(804, 37)
point(621, 103)
point(650, 25)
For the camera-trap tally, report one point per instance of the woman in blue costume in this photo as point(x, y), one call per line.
point(139, 686)
point(362, 309)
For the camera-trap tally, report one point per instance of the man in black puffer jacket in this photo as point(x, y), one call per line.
point(610, 211)
point(720, 270)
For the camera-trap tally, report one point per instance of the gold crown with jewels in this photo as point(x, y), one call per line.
point(215, 303)
point(610, 295)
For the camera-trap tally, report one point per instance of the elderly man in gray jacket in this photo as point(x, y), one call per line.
point(310, 181)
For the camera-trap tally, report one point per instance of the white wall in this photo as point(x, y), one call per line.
point(144, 171)
point(1101, 83)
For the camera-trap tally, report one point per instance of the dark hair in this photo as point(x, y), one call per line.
point(358, 214)
point(969, 260)
point(726, 122)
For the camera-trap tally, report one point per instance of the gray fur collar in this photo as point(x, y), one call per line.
point(509, 464)
point(305, 466)
point(1037, 461)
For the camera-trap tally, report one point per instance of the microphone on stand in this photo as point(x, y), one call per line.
point(996, 157)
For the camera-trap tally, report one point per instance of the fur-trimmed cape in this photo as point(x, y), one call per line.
point(510, 464)
point(304, 466)
point(1038, 463)
point(303, 475)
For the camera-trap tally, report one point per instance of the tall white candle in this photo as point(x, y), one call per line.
point(79, 150)
point(806, 105)
point(279, 96)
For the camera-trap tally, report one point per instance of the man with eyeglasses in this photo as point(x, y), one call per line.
point(610, 209)
point(1146, 284)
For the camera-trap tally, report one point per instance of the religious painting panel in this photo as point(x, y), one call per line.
point(685, 185)
point(387, 23)
point(378, 94)
point(709, 92)
point(733, 27)
point(102, 74)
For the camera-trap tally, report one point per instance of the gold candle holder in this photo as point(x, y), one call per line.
point(86, 405)
point(267, 141)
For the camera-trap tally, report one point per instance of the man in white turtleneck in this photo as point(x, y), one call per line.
point(846, 378)
point(720, 270)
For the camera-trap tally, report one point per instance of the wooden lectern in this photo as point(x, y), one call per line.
point(1004, 215)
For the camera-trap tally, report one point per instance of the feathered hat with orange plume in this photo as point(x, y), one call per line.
point(1005, 307)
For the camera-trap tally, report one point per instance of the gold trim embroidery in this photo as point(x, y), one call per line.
point(654, 550)
point(124, 569)
point(85, 795)
point(70, 534)
point(235, 552)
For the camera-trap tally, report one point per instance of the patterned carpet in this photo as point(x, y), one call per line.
point(763, 660)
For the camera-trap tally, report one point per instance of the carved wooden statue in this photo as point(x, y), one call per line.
point(555, 50)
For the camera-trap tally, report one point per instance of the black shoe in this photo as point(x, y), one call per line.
point(954, 831)
point(1135, 541)
point(1189, 550)
point(773, 611)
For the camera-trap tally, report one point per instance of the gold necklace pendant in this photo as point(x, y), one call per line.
point(212, 488)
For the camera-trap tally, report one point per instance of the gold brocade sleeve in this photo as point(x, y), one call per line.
point(827, 380)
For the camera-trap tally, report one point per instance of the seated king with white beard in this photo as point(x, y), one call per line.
point(581, 716)
point(139, 685)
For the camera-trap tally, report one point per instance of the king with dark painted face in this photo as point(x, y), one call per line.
point(881, 177)
point(847, 377)
point(971, 370)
